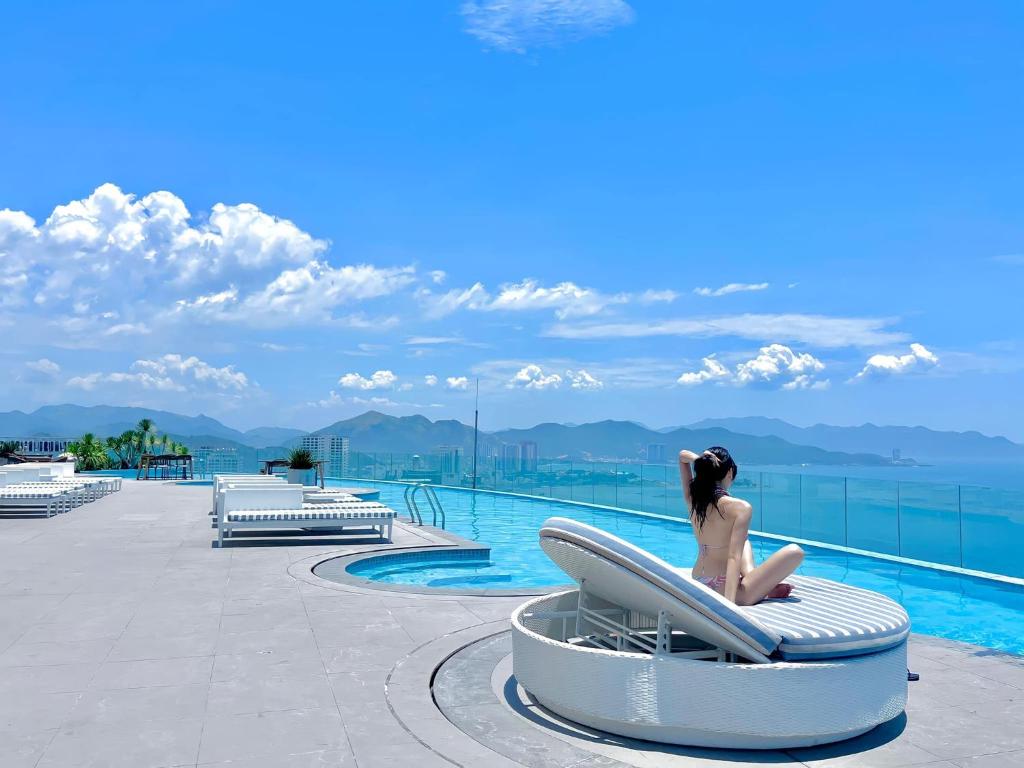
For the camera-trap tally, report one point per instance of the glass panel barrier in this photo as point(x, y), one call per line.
point(992, 520)
point(930, 522)
point(604, 485)
point(780, 503)
point(872, 522)
point(823, 509)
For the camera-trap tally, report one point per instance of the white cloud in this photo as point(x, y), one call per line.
point(90, 381)
point(169, 373)
point(918, 359)
point(516, 25)
point(816, 330)
point(566, 299)
point(272, 347)
point(651, 296)
point(43, 366)
point(725, 290)
point(309, 293)
point(456, 382)
point(430, 380)
point(778, 362)
point(431, 340)
point(712, 370)
point(774, 364)
point(377, 380)
point(532, 377)
point(437, 276)
point(581, 379)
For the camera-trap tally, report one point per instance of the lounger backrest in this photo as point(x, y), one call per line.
point(220, 481)
point(284, 496)
point(218, 499)
point(617, 571)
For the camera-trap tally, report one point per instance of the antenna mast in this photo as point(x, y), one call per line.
point(476, 425)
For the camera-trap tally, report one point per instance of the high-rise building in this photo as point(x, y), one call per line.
point(450, 460)
point(528, 456)
point(656, 453)
point(38, 446)
point(216, 461)
point(509, 459)
point(332, 450)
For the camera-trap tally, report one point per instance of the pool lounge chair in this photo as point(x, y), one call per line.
point(644, 651)
point(282, 506)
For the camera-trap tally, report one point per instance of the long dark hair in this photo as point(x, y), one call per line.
point(707, 474)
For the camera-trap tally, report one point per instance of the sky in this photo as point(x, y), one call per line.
point(661, 212)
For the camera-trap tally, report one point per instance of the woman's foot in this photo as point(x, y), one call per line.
point(780, 591)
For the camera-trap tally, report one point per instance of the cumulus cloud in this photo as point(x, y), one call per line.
point(532, 377)
point(518, 25)
point(581, 379)
point(171, 372)
point(816, 330)
point(456, 382)
point(566, 300)
point(43, 366)
point(775, 364)
point(725, 290)
point(307, 293)
point(430, 380)
point(711, 370)
point(377, 380)
point(918, 359)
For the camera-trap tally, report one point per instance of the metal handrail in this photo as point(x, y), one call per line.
point(410, 504)
point(436, 508)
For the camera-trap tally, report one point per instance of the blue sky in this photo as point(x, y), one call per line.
point(228, 208)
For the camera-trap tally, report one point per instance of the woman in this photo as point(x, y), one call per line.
point(720, 522)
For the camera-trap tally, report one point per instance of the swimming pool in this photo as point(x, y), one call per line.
point(950, 605)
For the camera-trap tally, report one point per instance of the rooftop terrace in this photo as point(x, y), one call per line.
point(127, 640)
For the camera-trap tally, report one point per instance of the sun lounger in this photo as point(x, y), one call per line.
point(282, 506)
point(643, 650)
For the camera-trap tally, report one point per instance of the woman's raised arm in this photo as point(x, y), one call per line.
point(686, 458)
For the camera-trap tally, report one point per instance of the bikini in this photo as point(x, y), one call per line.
point(716, 583)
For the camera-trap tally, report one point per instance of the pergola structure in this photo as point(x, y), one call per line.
point(165, 466)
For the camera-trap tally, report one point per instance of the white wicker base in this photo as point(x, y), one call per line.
point(676, 700)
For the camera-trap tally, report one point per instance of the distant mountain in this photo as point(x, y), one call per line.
point(104, 420)
point(919, 443)
point(628, 440)
point(375, 432)
point(262, 437)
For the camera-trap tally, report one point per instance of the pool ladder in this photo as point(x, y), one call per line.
point(432, 501)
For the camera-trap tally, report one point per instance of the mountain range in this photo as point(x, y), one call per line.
point(755, 440)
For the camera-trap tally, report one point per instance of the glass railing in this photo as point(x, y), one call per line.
point(964, 526)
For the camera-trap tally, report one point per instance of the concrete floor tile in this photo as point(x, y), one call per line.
point(136, 705)
point(240, 737)
point(56, 652)
point(126, 745)
point(155, 672)
point(247, 696)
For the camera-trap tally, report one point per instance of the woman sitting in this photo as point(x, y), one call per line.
point(725, 562)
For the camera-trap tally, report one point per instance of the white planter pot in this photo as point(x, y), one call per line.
point(302, 476)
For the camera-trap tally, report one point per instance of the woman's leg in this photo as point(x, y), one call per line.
point(756, 584)
point(747, 563)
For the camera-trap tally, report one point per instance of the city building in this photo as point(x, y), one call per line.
point(657, 453)
point(211, 461)
point(450, 461)
point(528, 456)
point(331, 450)
point(508, 461)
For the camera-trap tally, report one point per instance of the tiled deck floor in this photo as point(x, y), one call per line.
point(127, 641)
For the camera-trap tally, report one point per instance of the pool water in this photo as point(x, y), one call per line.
point(964, 608)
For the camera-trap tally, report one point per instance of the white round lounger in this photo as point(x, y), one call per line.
point(644, 651)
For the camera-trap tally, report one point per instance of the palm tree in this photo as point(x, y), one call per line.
point(118, 447)
point(89, 452)
point(8, 447)
point(147, 432)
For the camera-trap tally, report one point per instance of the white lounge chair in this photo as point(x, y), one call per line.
point(282, 506)
point(644, 651)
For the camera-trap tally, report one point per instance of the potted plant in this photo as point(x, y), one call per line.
point(301, 468)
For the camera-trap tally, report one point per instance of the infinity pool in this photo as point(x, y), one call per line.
point(964, 608)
